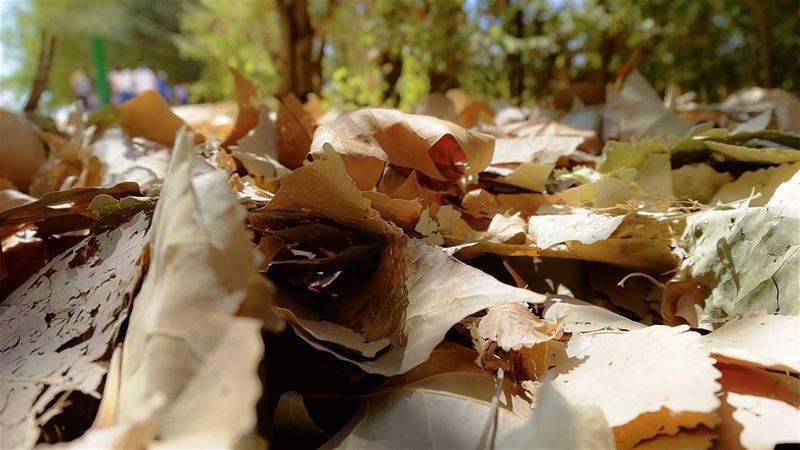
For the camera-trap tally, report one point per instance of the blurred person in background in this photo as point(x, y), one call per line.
point(181, 95)
point(144, 79)
point(163, 86)
point(121, 85)
point(81, 86)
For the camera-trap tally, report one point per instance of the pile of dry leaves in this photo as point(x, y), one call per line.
point(499, 279)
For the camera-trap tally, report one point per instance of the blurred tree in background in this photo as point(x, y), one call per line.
point(134, 32)
point(361, 52)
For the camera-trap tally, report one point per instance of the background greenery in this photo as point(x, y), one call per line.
point(395, 51)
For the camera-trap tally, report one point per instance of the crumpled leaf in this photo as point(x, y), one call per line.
point(183, 340)
point(149, 116)
point(662, 377)
point(60, 325)
point(122, 161)
point(59, 206)
point(369, 138)
point(514, 326)
point(557, 424)
point(765, 340)
point(584, 227)
point(747, 258)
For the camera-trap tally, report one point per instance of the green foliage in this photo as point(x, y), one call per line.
point(394, 52)
point(135, 31)
point(223, 34)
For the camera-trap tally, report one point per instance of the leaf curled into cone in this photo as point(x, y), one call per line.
point(439, 149)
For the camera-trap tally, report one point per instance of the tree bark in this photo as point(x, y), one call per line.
point(297, 37)
point(763, 33)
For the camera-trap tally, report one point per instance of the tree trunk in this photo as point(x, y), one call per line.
point(297, 36)
point(515, 67)
point(763, 33)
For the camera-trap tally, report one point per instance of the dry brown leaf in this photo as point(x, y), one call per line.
point(149, 116)
point(514, 326)
point(761, 183)
point(60, 205)
point(22, 151)
point(446, 410)
point(61, 325)
point(650, 381)
point(248, 117)
point(399, 211)
point(441, 291)
point(765, 340)
point(294, 129)
point(699, 439)
point(370, 138)
point(584, 227)
point(557, 424)
point(183, 341)
point(765, 422)
point(581, 317)
point(534, 149)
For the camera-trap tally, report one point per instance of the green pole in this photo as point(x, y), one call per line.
point(101, 86)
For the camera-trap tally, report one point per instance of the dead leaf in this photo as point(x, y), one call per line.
point(60, 326)
point(183, 341)
point(557, 424)
point(248, 117)
point(294, 129)
point(652, 395)
point(149, 116)
point(374, 137)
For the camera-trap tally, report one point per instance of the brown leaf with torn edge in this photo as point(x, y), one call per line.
point(248, 117)
point(55, 205)
point(183, 341)
point(294, 129)
point(60, 326)
point(662, 378)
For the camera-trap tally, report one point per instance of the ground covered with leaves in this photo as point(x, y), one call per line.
point(470, 276)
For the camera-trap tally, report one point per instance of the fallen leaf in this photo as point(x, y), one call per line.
point(725, 246)
point(765, 422)
point(183, 341)
point(652, 395)
point(60, 326)
point(248, 117)
point(148, 116)
point(587, 228)
point(294, 129)
point(514, 326)
point(557, 424)
point(375, 137)
point(769, 341)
